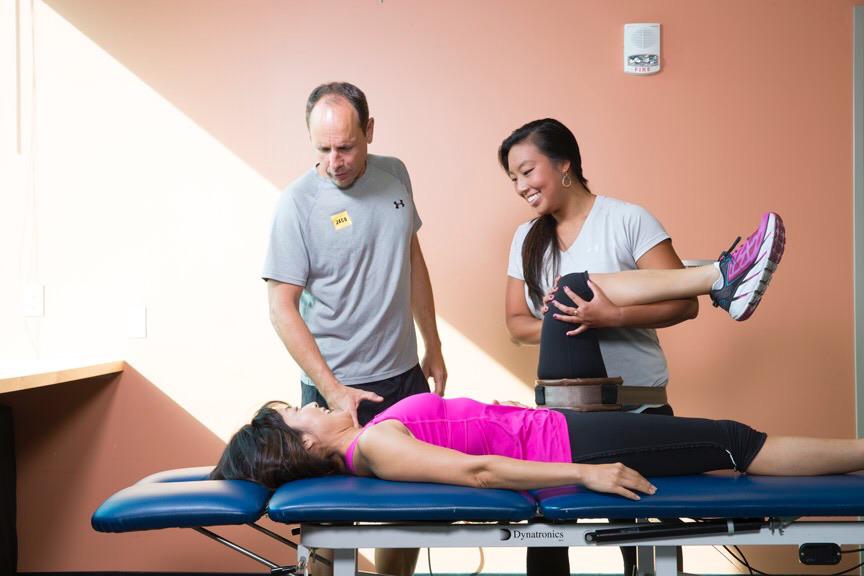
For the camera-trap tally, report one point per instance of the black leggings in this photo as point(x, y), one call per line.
point(655, 444)
point(563, 356)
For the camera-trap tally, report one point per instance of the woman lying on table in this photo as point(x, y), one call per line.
point(426, 438)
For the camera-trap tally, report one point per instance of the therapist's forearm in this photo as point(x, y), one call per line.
point(524, 329)
point(660, 314)
point(300, 343)
point(303, 349)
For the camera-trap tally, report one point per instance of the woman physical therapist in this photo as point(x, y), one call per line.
point(576, 231)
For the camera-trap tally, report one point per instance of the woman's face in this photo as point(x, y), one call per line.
point(536, 177)
point(313, 422)
point(313, 419)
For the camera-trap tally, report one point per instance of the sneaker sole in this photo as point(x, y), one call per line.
point(777, 239)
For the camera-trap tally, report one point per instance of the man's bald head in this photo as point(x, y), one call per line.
point(340, 90)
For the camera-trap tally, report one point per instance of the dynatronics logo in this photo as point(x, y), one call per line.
point(528, 534)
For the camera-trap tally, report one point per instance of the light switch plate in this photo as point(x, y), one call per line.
point(136, 321)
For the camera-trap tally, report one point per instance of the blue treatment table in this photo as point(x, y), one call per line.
point(345, 513)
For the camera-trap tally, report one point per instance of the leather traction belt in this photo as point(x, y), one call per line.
point(595, 394)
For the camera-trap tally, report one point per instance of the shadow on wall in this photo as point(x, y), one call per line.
point(243, 75)
point(79, 442)
point(447, 81)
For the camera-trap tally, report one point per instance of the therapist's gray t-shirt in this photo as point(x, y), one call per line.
point(614, 236)
point(351, 251)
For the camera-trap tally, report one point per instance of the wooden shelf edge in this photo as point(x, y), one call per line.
point(59, 376)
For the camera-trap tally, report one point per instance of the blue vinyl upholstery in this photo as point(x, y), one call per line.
point(179, 475)
point(352, 498)
point(182, 498)
point(714, 496)
point(185, 498)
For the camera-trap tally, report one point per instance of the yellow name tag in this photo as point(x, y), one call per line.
point(341, 220)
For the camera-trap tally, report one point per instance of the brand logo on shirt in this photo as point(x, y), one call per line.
point(399, 204)
point(341, 220)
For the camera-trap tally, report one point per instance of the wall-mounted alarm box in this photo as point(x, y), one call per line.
point(641, 48)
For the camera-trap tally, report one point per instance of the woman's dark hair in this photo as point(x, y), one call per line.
point(268, 451)
point(349, 92)
point(556, 142)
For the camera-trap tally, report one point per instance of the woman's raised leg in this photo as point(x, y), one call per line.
point(563, 356)
point(736, 282)
point(636, 287)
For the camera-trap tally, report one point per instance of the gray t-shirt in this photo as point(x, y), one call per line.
point(614, 236)
point(351, 251)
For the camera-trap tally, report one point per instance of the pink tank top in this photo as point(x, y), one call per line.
point(476, 428)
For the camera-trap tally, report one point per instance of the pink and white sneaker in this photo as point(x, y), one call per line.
point(746, 271)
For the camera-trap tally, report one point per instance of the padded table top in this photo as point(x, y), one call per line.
point(352, 498)
point(182, 498)
point(714, 496)
point(185, 498)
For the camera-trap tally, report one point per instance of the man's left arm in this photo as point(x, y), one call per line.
point(423, 307)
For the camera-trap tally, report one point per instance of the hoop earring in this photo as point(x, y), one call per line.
point(566, 181)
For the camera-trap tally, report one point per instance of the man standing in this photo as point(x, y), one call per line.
point(344, 268)
point(345, 274)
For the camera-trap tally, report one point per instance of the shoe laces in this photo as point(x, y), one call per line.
point(728, 252)
point(723, 255)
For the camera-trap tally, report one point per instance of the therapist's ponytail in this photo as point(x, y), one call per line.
point(540, 251)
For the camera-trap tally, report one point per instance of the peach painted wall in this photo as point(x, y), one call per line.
point(739, 120)
point(77, 443)
point(751, 111)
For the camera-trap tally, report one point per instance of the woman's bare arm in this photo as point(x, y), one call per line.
point(523, 327)
point(390, 452)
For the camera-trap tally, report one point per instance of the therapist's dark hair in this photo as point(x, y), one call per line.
point(556, 142)
point(270, 452)
point(349, 92)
